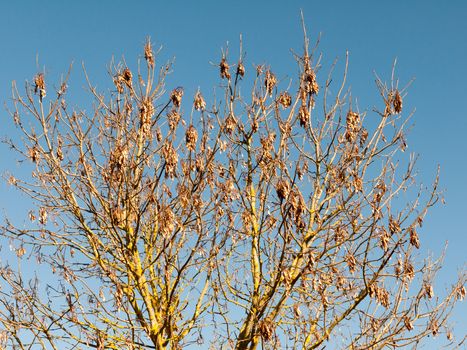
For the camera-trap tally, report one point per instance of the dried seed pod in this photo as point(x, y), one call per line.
point(229, 124)
point(166, 220)
point(118, 296)
point(12, 181)
point(224, 69)
point(341, 281)
point(42, 216)
point(270, 81)
point(460, 293)
point(118, 84)
point(39, 85)
point(394, 226)
point(384, 239)
point(183, 195)
point(240, 69)
point(176, 96)
point(173, 118)
point(127, 77)
point(171, 159)
point(267, 142)
point(266, 329)
point(357, 184)
point(20, 252)
point(428, 290)
point(303, 115)
point(382, 296)
point(148, 54)
point(297, 204)
point(158, 133)
point(353, 121)
point(282, 189)
point(285, 100)
point(408, 323)
point(198, 102)
point(399, 267)
point(191, 136)
point(118, 216)
point(397, 102)
point(59, 152)
point(297, 311)
point(247, 218)
point(414, 238)
point(351, 262)
point(363, 136)
point(301, 170)
point(34, 154)
point(146, 112)
point(340, 234)
point(409, 271)
point(352, 126)
point(254, 125)
point(118, 156)
point(309, 81)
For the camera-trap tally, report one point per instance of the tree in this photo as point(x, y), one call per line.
point(255, 219)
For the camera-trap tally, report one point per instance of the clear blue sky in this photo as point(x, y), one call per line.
point(429, 39)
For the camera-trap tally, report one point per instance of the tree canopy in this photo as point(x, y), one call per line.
point(277, 215)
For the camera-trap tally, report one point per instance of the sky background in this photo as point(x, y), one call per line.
point(428, 38)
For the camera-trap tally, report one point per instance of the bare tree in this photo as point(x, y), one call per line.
point(261, 219)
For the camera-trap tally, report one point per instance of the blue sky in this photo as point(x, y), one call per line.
point(428, 38)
